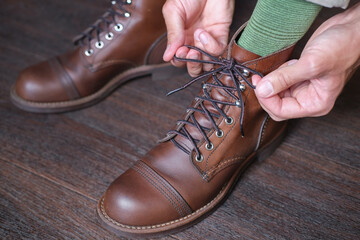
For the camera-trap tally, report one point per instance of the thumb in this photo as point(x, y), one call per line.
point(287, 75)
point(210, 44)
point(175, 30)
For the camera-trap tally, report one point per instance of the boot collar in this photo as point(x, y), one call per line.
point(264, 64)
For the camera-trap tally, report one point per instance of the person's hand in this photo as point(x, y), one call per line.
point(201, 23)
point(308, 87)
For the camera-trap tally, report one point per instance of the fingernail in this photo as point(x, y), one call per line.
point(194, 56)
point(291, 62)
point(203, 38)
point(265, 89)
point(196, 35)
point(182, 55)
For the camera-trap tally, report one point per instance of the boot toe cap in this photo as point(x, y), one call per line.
point(132, 200)
point(38, 83)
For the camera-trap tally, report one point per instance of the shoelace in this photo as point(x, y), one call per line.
point(226, 67)
point(103, 24)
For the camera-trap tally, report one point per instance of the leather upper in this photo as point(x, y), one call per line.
point(74, 74)
point(134, 200)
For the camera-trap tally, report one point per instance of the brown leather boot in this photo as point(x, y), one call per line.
point(183, 178)
point(126, 42)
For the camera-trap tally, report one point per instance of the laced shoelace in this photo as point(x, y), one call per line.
point(226, 67)
point(103, 24)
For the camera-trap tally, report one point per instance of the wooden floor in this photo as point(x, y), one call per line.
point(54, 168)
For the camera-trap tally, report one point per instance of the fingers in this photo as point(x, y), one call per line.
point(182, 52)
point(210, 44)
point(304, 97)
point(194, 68)
point(175, 29)
point(281, 109)
point(271, 92)
point(283, 78)
point(281, 106)
point(204, 40)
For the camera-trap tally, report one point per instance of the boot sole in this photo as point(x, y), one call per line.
point(71, 105)
point(180, 224)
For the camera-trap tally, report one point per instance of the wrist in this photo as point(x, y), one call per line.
point(352, 17)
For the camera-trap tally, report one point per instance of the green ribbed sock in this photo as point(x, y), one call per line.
point(276, 24)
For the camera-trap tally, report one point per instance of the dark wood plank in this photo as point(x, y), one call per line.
point(33, 207)
point(308, 189)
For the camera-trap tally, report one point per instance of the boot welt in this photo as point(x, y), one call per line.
point(180, 224)
point(71, 105)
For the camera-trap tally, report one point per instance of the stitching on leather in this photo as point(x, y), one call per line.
point(161, 181)
point(224, 137)
point(102, 209)
point(176, 196)
point(226, 163)
point(165, 194)
point(65, 79)
point(110, 63)
point(185, 208)
point(60, 103)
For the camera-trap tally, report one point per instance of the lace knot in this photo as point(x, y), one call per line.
point(228, 64)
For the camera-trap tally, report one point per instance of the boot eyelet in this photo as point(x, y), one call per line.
point(89, 52)
point(128, 1)
point(199, 158)
point(109, 36)
point(209, 147)
point(99, 44)
point(229, 120)
point(242, 87)
point(127, 14)
point(113, 2)
point(246, 73)
point(118, 27)
point(238, 103)
point(219, 133)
